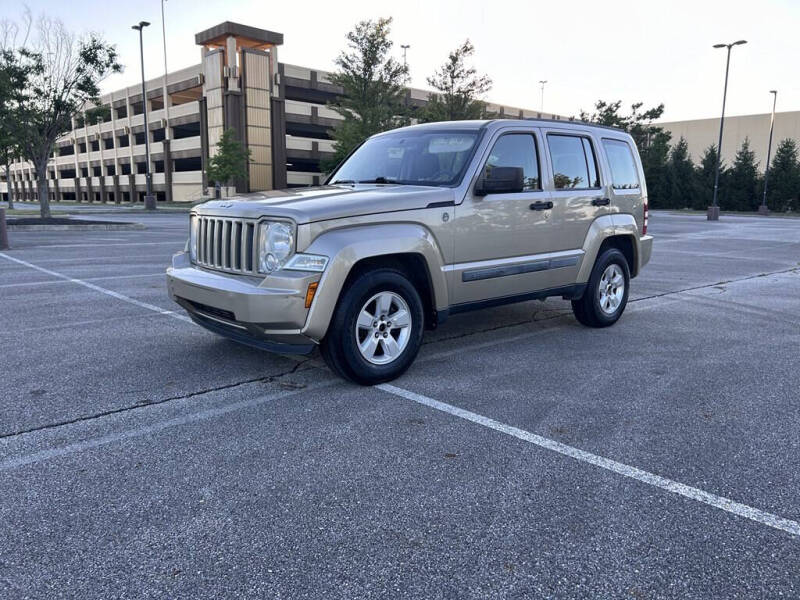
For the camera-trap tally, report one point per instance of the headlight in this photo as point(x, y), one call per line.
point(275, 245)
point(194, 223)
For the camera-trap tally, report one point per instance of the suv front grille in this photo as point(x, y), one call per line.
point(227, 244)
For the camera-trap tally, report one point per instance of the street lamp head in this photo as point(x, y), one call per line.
point(740, 42)
point(405, 46)
point(140, 26)
point(773, 92)
point(720, 45)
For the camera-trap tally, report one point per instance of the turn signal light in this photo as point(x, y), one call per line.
point(312, 289)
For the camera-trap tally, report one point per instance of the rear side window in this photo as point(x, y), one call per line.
point(623, 168)
point(517, 150)
point(574, 164)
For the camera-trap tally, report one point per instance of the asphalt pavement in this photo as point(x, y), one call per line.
point(522, 455)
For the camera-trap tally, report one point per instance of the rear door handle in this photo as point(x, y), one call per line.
point(541, 206)
point(601, 201)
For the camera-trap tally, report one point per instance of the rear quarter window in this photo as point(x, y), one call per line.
point(624, 175)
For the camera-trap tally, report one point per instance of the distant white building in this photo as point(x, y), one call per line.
point(702, 133)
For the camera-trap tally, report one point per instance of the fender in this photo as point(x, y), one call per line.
point(346, 246)
point(601, 229)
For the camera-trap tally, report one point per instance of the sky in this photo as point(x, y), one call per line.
point(629, 50)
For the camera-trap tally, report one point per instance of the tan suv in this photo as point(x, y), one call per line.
point(415, 225)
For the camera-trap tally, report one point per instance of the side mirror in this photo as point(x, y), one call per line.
point(500, 180)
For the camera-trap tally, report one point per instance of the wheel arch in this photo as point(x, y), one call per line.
point(409, 248)
point(611, 231)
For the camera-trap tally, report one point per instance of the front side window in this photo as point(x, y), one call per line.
point(421, 157)
point(623, 168)
point(516, 150)
point(574, 164)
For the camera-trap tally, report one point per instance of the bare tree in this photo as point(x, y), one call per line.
point(64, 74)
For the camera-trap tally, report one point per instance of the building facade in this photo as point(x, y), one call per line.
point(702, 133)
point(279, 111)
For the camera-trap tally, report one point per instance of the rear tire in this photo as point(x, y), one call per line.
point(606, 294)
point(376, 329)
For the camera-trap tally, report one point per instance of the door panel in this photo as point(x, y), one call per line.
point(578, 184)
point(502, 241)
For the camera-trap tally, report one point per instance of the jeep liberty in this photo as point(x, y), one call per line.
point(417, 224)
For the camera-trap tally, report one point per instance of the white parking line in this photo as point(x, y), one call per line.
point(652, 479)
point(61, 281)
point(107, 260)
point(173, 242)
point(97, 288)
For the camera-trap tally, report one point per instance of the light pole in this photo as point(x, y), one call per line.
point(542, 82)
point(763, 208)
point(164, 93)
point(149, 199)
point(405, 48)
point(713, 210)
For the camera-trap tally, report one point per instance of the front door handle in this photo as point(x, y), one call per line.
point(601, 202)
point(541, 206)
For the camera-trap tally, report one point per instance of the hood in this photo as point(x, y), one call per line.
point(305, 205)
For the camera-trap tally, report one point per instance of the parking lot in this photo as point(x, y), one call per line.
point(521, 456)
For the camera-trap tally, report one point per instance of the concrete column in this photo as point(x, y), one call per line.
point(117, 194)
point(132, 187)
point(103, 197)
point(203, 143)
point(89, 188)
point(55, 176)
point(17, 197)
point(77, 182)
point(167, 170)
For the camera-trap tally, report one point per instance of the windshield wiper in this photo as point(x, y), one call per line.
point(378, 180)
point(342, 181)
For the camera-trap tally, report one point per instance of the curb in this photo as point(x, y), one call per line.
point(76, 227)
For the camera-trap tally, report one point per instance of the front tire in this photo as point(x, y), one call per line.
point(376, 329)
point(606, 295)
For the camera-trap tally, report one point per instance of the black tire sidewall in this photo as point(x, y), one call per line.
point(367, 285)
point(612, 255)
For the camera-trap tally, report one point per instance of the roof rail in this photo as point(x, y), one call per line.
point(567, 120)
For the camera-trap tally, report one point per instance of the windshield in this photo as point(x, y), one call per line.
point(421, 157)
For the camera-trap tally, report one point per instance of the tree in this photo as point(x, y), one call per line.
point(651, 140)
point(784, 178)
point(681, 179)
point(13, 81)
point(230, 161)
point(64, 74)
point(460, 89)
point(12, 85)
point(743, 180)
point(704, 177)
point(373, 91)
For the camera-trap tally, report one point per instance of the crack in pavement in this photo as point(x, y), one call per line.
point(710, 285)
point(567, 313)
point(155, 402)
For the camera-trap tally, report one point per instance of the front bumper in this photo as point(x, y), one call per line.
point(266, 313)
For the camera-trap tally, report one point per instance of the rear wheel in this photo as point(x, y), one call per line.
point(606, 295)
point(376, 329)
